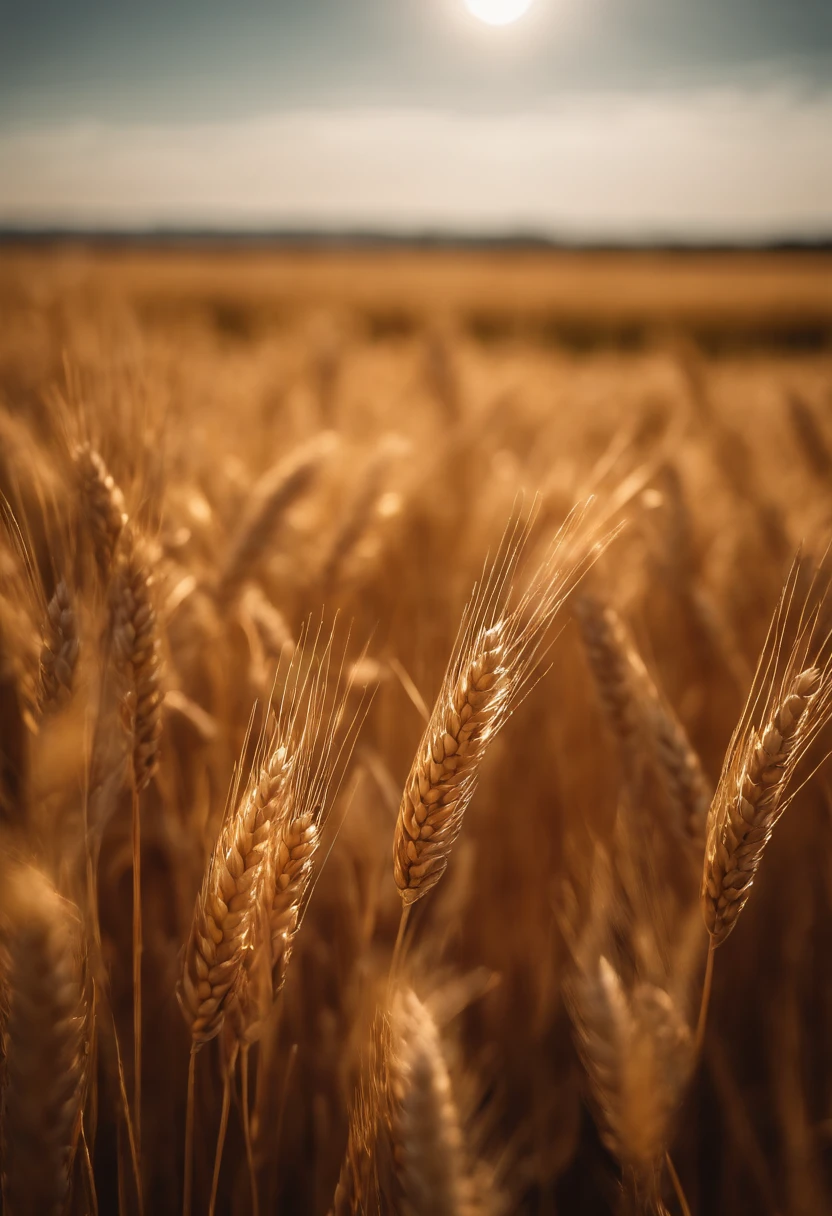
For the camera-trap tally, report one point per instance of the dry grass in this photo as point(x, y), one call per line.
point(295, 576)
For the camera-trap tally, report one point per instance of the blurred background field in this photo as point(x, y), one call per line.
point(566, 329)
point(720, 300)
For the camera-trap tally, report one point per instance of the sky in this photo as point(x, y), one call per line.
point(587, 119)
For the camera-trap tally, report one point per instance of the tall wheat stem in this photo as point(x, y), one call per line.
point(398, 949)
point(706, 999)
point(226, 1104)
point(255, 1198)
point(677, 1185)
point(137, 973)
point(85, 1148)
point(187, 1192)
point(131, 1137)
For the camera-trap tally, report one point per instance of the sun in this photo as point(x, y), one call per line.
point(498, 12)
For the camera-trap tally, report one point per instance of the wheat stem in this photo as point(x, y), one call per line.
point(677, 1185)
point(137, 969)
point(187, 1190)
point(93, 1193)
point(706, 999)
point(125, 1109)
point(290, 1067)
point(226, 1104)
point(398, 948)
point(252, 1174)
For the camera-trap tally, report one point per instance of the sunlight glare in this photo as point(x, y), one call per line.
point(498, 12)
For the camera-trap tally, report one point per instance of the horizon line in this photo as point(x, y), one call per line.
point(357, 237)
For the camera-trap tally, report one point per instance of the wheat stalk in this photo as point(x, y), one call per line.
point(611, 660)
point(137, 651)
point(367, 1172)
point(497, 647)
point(425, 1128)
point(405, 1151)
point(645, 727)
point(59, 653)
point(749, 800)
point(295, 846)
point(638, 1053)
point(250, 905)
point(752, 792)
point(18, 628)
point(45, 1037)
point(222, 920)
point(311, 724)
point(103, 505)
point(686, 786)
point(441, 781)
point(276, 490)
point(791, 697)
point(358, 514)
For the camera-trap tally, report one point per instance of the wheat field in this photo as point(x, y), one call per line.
point(406, 659)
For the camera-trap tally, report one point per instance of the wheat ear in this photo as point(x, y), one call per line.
point(137, 651)
point(609, 652)
point(316, 739)
point(225, 906)
point(45, 1036)
point(749, 801)
point(365, 1183)
point(357, 516)
point(686, 786)
point(18, 622)
point(252, 861)
point(497, 647)
point(425, 1128)
point(752, 792)
point(441, 782)
point(644, 725)
point(637, 1051)
point(102, 504)
point(59, 653)
point(276, 490)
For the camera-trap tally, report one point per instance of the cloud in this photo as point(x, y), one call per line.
point(697, 164)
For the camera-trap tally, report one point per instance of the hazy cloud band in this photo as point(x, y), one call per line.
point(703, 163)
